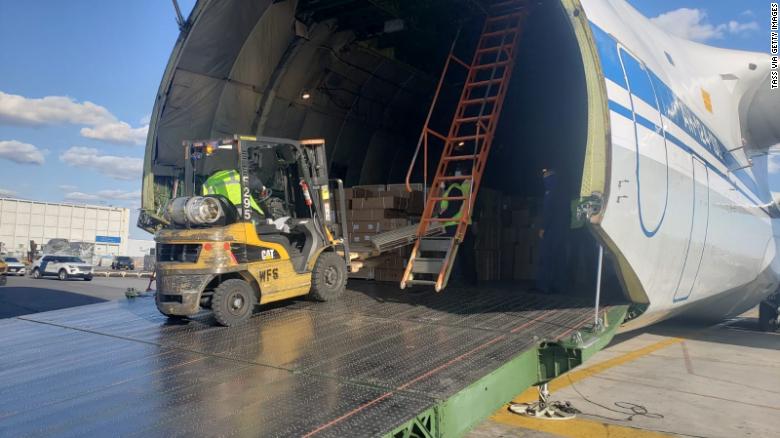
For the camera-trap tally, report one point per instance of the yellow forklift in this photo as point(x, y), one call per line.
point(278, 241)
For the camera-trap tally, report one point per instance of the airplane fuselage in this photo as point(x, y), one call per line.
point(685, 211)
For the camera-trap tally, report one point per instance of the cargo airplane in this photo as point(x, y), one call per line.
point(662, 135)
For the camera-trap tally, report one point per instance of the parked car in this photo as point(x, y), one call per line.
point(63, 267)
point(15, 267)
point(123, 262)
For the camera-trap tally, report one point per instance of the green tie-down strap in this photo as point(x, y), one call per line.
point(465, 188)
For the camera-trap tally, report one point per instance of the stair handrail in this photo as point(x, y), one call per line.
point(424, 134)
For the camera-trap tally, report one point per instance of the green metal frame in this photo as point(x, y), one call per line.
point(456, 415)
point(422, 426)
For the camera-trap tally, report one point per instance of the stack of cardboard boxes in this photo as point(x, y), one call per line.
point(519, 239)
point(487, 235)
point(506, 242)
point(374, 209)
point(505, 239)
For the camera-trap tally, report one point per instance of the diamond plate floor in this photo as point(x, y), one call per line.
point(360, 366)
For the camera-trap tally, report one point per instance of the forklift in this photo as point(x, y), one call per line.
point(214, 254)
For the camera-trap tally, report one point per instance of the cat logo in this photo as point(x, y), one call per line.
point(267, 254)
point(269, 274)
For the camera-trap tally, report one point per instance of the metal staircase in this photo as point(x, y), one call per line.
point(467, 144)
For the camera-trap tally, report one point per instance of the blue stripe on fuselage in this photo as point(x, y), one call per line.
point(626, 112)
point(673, 108)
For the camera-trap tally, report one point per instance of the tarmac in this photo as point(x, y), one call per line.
point(26, 295)
point(670, 379)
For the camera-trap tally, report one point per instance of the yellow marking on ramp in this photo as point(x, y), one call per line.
point(531, 394)
point(580, 427)
point(575, 428)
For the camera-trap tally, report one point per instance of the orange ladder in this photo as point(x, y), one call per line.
point(467, 144)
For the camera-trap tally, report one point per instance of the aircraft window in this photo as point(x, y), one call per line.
point(669, 58)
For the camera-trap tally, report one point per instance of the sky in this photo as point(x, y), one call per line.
point(79, 78)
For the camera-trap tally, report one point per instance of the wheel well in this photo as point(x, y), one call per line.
point(318, 253)
point(243, 275)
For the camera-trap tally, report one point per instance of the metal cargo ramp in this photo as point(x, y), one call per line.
point(378, 362)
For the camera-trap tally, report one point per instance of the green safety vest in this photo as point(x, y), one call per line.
point(227, 183)
point(465, 188)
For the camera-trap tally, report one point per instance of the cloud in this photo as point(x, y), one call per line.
point(99, 122)
point(22, 153)
point(121, 195)
point(20, 110)
point(104, 195)
point(67, 187)
point(5, 193)
point(737, 28)
point(116, 132)
point(124, 168)
point(693, 24)
point(81, 196)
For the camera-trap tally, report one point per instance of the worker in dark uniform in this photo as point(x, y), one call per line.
point(552, 234)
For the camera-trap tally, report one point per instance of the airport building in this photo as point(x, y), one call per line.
point(22, 221)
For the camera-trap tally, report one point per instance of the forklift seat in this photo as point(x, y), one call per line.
point(270, 233)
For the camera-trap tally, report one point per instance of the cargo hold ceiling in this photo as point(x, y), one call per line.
point(368, 69)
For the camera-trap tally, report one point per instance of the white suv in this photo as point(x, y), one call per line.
point(64, 267)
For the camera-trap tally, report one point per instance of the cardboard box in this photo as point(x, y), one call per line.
point(488, 265)
point(376, 226)
point(383, 202)
point(389, 275)
point(364, 227)
point(401, 188)
point(522, 256)
point(525, 272)
point(361, 237)
point(393, 223)
point(367, 191)
point(373, 214)
point(526, 261)
point(363, 274)
point(488, 234)
point(527, 237)
point(508, 235)
point(488, 203)
point(507, 260)
point(521, 218)
point(416, 203)
point(394, 261)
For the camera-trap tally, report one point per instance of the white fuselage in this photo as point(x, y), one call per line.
point(684, 207)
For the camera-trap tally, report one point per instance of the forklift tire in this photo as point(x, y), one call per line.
point(233, 302)
point(329, 277)
point(174, 318)
point(767, 316)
